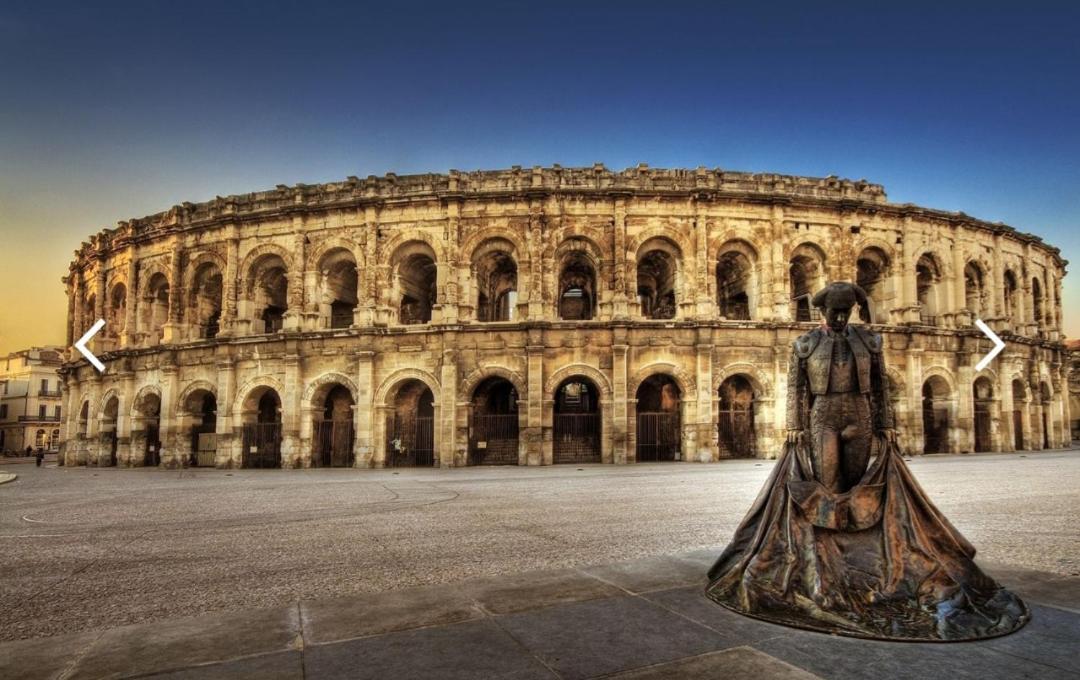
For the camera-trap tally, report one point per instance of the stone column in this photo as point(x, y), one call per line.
point(705, 304)
point(96, 345)
point(997, 295)
point(128, 337)
point(707, 441)
point(295, 281)
point(231, 288)
point(125, 427)
point(70, 432)
point(291, 412)
point(71, 322)
point(534, 240)
point(965, 420)
point(171, 331)
point(620, 429)
point(367, 287)
point(93, 420)
point(958, 297)
point(779, 277)
point(78, 294)
point(227, 453)
point(174, 448)
point(363, 453)
point(448, 454)
point(620, 299)
point(533, 433)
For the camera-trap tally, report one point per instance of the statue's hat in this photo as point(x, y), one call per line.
point(840, 295)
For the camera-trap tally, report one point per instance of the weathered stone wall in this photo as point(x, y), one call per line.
point(232, 264)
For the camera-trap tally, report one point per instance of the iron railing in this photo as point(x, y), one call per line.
point(494, 439)
point(576, 438)
point(262, 445)
point(657, 436)
point(332, 443)
point(39, 419)
point(410, 441)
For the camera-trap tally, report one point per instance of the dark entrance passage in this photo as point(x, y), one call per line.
point(332, 436)
point(576, 426)
point(262, 438)
point(984, 398)
point(109, 440)
point(1018, 398)
point(410, 429)
point(658, 420)
point(935, 414)
point(493, 433)
point(736, 435)
point(150, 415)
point(202, 405)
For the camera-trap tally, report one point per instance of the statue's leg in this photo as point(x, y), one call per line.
point(825, 441)
point(856, 438)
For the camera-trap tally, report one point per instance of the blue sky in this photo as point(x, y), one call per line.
point(116, 112)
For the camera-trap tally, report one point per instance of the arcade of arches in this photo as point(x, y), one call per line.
point(542, 316)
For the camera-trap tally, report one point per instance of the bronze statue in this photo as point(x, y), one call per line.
point(837, 543)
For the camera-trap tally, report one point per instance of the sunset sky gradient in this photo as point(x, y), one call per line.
point(109, 114)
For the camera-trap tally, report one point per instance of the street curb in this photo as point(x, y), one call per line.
point(6, 477)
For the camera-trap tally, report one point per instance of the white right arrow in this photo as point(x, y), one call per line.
point(81, 346)
point(998, 345)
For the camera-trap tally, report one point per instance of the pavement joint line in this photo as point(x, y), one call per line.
point(74, 663)
point(300, 639)
point(1025, 659)
point(495, 622)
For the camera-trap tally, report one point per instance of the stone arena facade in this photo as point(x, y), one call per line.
point(539, 316)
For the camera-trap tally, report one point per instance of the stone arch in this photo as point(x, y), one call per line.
point(389, 385)
point(479, 238)
point(807, 273)
point(194, 264)
point(109, 394)
point(977, 286)
point(191, 388)
point(683, 378)
point(327, 380)
point(402, 238)
point(733, 277)
point(244, 394)
point(329, 244)
point(584, 370)
point(495, 281)
point(661, 233)
point(579, 243)
point(943, 373)
point(759, 380)
point(874, 242)
point(876, 272)
point(659, 277)
point(258, 253)
point(897, 385)
point(482, 373)
point(140, 396)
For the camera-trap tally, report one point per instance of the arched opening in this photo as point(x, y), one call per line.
point(935, 412)
point(657, 271)
point(1074, 411)
point(116, 321)
point(41, 440)
point(734, 278)
point(262, 429)
point(54, 440)
point(872, 274)
point(927, 289)
point(109, 420)
point(84, 419)
point(1019, 399)
point(154, 310)
point(269, 293)
point(1011, 308)
point(495, 276)
point(659, 426)
point(415, 283)
point(206, 292)
point(983, 393)
point(201, 408)
point(1037, 301)
point(147, 428)
point(974, 289)
point(333, 434)
point(338, 286)
point(576, 426)
point(89, 314)
point(410, 427)
point(736, 434)
point(1046, 399)
point(493, 435)
point(806, 273)
point(577, 288)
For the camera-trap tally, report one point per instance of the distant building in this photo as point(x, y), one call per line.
point(30, 399)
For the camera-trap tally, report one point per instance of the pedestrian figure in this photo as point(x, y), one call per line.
point(40, 456)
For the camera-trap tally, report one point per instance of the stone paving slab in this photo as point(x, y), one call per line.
point(615, 620)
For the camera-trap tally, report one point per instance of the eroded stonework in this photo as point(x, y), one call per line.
point(541, 316)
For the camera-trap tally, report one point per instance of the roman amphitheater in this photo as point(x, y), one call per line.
point(542, 316)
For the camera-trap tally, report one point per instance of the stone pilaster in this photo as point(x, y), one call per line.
point(365, 395)
point(620, 435)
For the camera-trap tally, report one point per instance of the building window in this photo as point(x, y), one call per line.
point(44, 385)
point(3, 411)
point(42, 410)
point(56, 412)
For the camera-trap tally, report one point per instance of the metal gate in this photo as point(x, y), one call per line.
point(112, 442)
point(410, 441)
point(1018, 430)
point(333, 443)
point(494, 439)
point(735, 433)
point(576, 438)
point(935, 429)
point(658, 436)
point(203, 445)
point(152, 446)
point(982, 426)
point(262, 445)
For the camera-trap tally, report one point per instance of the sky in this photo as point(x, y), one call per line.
point(123, 110)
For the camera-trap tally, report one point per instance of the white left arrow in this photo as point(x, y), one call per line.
point(81, 345)
point(998, 345)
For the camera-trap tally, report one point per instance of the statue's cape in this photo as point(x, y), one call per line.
point(878, 561)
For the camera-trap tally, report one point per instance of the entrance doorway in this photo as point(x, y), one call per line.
point(658, 420)
point(576, 426)
point(736, 434)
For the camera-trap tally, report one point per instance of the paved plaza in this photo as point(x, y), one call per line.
point(86, 548)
